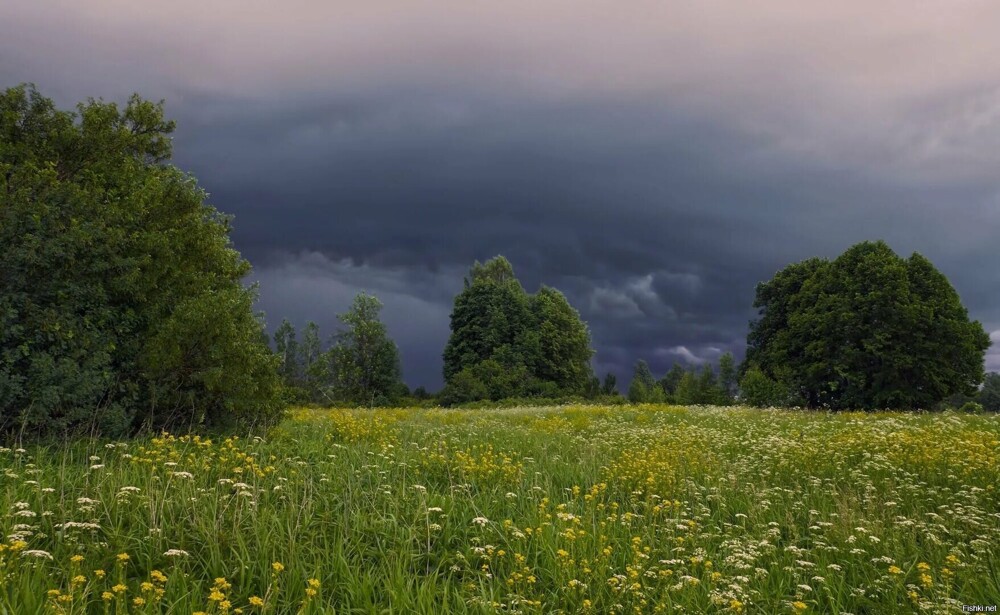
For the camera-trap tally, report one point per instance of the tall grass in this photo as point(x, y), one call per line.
point(581, 509)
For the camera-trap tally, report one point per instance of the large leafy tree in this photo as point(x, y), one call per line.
point(866, 330)
point(121, 301)
point(364, 362)
point(506, 343)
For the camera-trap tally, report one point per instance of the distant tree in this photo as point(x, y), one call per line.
point(686, 392)
point(989, 396)
point(593, 389)
point(643, 388)
point(671, 379)
point(866, 330)
point(728, 378)
point(491, 317)
point(313, 372)
point(610, 385)
point(287, 349)
point(364, 361)
point(514, 344)
point(122, 301)
point(421, 393)
point(562, 354)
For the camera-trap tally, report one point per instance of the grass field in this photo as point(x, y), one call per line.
point(581, 509)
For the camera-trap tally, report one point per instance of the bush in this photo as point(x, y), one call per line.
point(971, 407)
point(759, 390)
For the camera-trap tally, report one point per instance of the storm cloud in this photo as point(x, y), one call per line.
point(654, 161)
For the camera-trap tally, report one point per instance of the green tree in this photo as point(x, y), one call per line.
point(989, 395)
point(610, 384)
point(287, 349)
point(121, 301)
point(686, 392)
point(364, 361)
point(643, 388)
point(670, 381)
point(563, 352)
point(728, 378)
point(490, 319)
point(512, 343)
point(866, 330)
point(314, 372)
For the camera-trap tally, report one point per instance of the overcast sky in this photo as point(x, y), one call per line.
point(653, 160)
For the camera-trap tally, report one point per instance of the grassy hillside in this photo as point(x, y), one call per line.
point(589, 509)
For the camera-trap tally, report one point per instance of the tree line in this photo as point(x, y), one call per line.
point(122, 308)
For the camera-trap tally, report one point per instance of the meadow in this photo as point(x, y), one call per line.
point(634, 509)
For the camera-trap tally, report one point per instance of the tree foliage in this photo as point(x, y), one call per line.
point(120, 296)
point(989, 396)
point(866, 330)
point(507, 343)
point(364, 363)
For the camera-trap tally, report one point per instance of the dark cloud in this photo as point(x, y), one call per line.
point(655, 180)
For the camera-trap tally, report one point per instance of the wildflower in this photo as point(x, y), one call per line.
point(314, 583)
point(123, 557)
point(175, 553)
point(923, 566)
point(119, 588)
point(799, 606)
point(256, 601)
point(138, 601)
point(36, 553)
point(76, 559)
point(106, 596)
point(277, 566)
point(480, 521)
point(895, 570)
point(99, 573)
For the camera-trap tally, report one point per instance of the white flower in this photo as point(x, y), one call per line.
point(36, 553)
point(480, 521)
point(175, 553)
point(97, 466)
point(434, 509)
point(182, 475)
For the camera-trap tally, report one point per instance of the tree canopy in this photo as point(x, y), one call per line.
point(507, 343)
point(866, 330)
point(121, 301)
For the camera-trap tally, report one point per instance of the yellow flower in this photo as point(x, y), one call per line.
point(99, 574)
point(923, 566)
point(313, 583)
point(735, 605)
point(146, 586)
point(107, 596)
point(53, 593)
point(926, 580)
point(76, 559)
point(78, 579)
point(158, 576)
point(224, 605)
point(310, 592)
point(119, 588)
point(123, 557)
point(895, 570)
point(256, 601)
point(799, 606)
point(138, 601)
point(216, 596)
point(278, 566)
